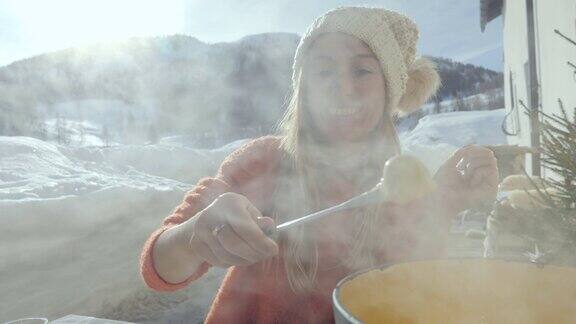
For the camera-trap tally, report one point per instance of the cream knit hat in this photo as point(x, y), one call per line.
point(392, 38)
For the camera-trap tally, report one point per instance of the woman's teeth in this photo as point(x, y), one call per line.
point(345, 111)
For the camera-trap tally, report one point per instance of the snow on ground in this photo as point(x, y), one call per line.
point(37, 170)
point(437, 136)
point(459, 129)
point(73, 222)
point(78, 133)
point(100, 111)
point(74, 219)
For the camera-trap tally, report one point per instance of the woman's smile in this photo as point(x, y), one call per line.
point(350, 118)
point(345, 87)
point(346, 111)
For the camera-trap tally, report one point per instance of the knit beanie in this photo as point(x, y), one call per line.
point(392, 37)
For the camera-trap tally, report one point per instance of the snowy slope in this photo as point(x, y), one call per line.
point(99, 111)
point(459, 128)
point(74, 220)
point(79, 133)
point(34, 170)
point(437, 136)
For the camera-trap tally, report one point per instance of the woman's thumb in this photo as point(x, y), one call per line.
point(267, 225)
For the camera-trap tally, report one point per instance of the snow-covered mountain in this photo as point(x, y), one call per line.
point(449, 28)
point(174, 85)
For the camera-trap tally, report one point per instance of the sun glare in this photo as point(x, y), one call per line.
point(63, 23)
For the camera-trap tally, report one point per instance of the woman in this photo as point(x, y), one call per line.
point(353, 69)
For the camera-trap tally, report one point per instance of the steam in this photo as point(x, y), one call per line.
point(169, 85)
point(79, 214)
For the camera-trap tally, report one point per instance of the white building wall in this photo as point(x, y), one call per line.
point(555, 77)
point(516, 71)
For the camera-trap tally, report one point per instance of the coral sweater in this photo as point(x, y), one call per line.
point(255, 294)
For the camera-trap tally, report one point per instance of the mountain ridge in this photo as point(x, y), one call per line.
point(240, 84)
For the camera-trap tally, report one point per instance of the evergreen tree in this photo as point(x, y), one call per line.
point(458, 103)
point(60, 130)
point(106, 136)
point(39, 131)
point(551, 227)
point(555, 225)
point(558, 147)
point(3, 125)
point(437, 105)
point(82, 134)
point(152, 135)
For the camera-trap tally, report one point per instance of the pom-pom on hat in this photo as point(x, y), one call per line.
point(392, 37)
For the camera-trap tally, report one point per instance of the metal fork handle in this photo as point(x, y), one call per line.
point(371, 197)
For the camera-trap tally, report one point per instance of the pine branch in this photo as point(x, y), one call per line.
point(556, 221)
point(565, 37)
point(559, 156)
point(544, 195)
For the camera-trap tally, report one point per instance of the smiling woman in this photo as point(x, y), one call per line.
point(353, 68)
point(345, 85)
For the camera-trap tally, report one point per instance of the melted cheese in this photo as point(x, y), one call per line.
point(463, 291)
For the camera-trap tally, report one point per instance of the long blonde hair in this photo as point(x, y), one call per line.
point(297, 193)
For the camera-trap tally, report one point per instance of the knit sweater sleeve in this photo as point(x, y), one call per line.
point(235, 174)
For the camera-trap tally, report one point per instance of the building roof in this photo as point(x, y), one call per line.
point(489, 9)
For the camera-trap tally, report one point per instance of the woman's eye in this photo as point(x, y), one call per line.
point(361, 72)
point(324, 73)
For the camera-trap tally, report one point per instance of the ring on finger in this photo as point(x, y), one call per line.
point(216, 230)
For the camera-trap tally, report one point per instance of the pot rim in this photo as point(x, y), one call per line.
point(346, 314)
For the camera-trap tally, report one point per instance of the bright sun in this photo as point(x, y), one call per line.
point(62, 23)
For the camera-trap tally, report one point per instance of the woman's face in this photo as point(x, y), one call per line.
point(344, 87)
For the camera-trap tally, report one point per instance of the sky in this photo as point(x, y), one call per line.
point(448, 28)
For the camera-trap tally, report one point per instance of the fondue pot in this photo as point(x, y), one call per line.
point(458, 291)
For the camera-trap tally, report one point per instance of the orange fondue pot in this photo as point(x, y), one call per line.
point(458, 291)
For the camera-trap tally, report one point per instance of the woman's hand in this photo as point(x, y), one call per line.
point(468, 178)
point(227, 232)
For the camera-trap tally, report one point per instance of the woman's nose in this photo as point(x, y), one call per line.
point(344, 84)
